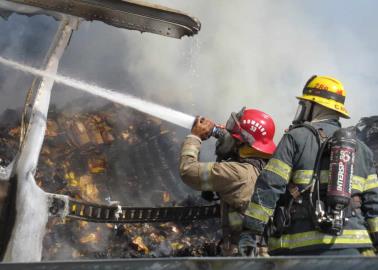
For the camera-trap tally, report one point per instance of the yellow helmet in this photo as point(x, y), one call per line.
point(326, 91)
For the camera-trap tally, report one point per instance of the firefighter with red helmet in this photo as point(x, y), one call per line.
point(243, 148)
point(319, 191)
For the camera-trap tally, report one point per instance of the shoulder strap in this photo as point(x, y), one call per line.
point(322, 140)
point(318, 133)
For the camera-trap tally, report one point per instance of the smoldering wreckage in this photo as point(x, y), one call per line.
point(84, 156)
point(80, 158)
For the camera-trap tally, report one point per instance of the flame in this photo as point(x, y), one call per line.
point(176, 246)
point(175, 229)
point(96, 165)
point(14, 132)
point(83, 224)
point(166, 197)
point(90, 238)
point(138, 241)
point(71, 179)
point(88, 189)
point(125, 135)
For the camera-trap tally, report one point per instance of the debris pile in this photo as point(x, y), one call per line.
point(107, 155)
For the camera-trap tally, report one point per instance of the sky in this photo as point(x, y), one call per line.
point(253, 53)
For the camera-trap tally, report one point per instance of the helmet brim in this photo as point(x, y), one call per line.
point(267, 148)
point(330, 104)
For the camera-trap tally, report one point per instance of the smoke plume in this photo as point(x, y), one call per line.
point(248, 53)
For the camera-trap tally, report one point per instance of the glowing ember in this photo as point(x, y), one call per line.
point(166, 197)
point(174, 229)
point(114, 154)
point(138, 241)
point(90, 238)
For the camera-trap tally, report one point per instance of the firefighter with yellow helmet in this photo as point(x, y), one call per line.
point(318, 194)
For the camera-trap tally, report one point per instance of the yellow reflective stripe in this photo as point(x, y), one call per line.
point(258, 212)
point(235, 220)
point(298, 240)
point(190, 150)
point(280, 168)
point(367, 252)
point(204, 174)
point(324, 175)
point(371, 182)
point(373, 224)
point(302, 177)
point(358, 183)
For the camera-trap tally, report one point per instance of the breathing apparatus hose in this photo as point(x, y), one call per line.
point(316, 176)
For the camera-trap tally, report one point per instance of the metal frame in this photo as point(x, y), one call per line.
point(31, 205)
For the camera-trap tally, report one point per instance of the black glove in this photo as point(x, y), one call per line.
point(209, 196)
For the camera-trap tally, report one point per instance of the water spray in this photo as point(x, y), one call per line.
point(162, 112)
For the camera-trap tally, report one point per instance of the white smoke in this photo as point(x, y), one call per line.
point(256, 54)
point(248, 53)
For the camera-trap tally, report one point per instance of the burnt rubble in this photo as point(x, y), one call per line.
point(106, 155)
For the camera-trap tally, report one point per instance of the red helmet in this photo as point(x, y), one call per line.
point(253, 127)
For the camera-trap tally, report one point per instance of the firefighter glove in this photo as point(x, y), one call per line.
point(202, 127)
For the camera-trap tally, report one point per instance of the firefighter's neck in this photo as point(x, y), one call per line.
point(320, 113)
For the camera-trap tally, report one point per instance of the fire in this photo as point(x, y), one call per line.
point(83, 224)
point(95, 155)
point(14, 132)
point(166, 197)
point(175, 229)
point(88, 189)
point(96, 165)
point(71, 178)
point(90, 238)
point(138, 241)
point(176, 245)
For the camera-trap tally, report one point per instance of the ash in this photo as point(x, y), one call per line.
point(113, 154)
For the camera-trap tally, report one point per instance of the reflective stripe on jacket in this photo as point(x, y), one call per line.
point(234, 181)
point(293, 162)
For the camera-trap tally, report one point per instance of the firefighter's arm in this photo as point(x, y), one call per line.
point(370, 202)
point(208, 176)
point(193, 172)
point(270, 185)
point(191, 169)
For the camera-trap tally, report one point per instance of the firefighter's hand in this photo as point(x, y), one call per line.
point(202, 127)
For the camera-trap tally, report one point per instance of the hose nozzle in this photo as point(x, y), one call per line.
point(218, 131)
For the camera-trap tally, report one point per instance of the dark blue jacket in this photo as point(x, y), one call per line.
point(294, 162)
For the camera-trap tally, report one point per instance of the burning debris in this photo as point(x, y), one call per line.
point(108, 156)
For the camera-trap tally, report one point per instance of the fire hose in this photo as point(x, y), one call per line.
point(65, 207)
